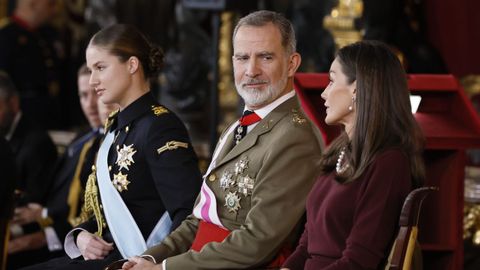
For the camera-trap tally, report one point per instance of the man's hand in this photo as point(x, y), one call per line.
point(27, 214)
point(27, 242)
point(138, 263)
point(93, 247)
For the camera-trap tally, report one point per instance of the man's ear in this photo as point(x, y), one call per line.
point(294, 62)
point(132, 64)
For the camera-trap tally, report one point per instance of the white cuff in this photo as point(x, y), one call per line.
point(164, 264)
point(70, 246)
point(52, 239)
point(150, 257)
point(16, 230)
point(44, 212)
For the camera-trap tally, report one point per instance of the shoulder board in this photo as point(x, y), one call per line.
point(159, 110)
point(4, 22)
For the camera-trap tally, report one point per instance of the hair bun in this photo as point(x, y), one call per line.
point(155, 60)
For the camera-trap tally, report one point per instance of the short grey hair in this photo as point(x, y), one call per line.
point(7, 88)
point(264, 17)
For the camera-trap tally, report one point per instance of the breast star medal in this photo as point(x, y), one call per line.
point(120, 181)
point(125, 156)
point(241, 165)
point(232, 202)
point(226, 180)
point(245, 185)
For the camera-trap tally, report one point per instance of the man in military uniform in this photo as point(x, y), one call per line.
point(35, 153)
point(254, 191)
point(65, 198)
point(30, 60)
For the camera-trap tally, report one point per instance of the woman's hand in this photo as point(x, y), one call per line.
point(138, 263)
point(93, 247)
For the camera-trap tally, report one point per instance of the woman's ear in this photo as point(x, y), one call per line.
point(353, 88)
point(132, 64)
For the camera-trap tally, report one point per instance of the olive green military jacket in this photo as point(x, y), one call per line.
point(279, 159)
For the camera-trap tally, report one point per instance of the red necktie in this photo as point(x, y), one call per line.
point(247, 119)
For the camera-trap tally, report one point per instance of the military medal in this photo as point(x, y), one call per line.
point(120, 181)
point(232, 202)
point(226, 180)
point(238, 134)
point(241, 165)
point(125, 156)
point(245, 185)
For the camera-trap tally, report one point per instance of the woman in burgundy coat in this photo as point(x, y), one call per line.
point(353, 208)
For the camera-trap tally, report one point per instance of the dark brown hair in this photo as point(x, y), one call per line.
point(383, 113)
point(125, 41)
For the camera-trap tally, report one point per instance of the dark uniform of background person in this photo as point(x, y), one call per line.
point(35, 153)
point(65, 198)
point(28, 55)
point(7, 186)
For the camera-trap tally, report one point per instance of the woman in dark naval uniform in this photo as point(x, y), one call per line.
point(146, 176)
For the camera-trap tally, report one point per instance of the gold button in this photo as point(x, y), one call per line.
point(212, 177)
point(127, 128)
point(109, 168)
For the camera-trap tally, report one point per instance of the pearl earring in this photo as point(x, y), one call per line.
point(350, 108)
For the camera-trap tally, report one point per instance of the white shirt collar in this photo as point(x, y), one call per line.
point(263, 112)
point(14, 125)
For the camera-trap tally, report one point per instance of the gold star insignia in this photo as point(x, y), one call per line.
point(120, 181)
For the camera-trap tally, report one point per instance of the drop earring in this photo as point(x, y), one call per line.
point(350, 108)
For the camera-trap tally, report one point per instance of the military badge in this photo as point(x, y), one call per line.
point(232, 202)
point(241, 165)
point(297, 118)
point(125, 156)
point(226, 180)
point(120, 181)
point(158, 110)
point(245, 185)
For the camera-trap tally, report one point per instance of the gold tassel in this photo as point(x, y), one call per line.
point(91, 205)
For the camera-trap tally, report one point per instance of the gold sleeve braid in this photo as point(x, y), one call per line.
point(172, 145)
point(91, 205)
point(75, 188)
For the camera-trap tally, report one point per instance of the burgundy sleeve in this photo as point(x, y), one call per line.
point(378, 206)
point(300, 255)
